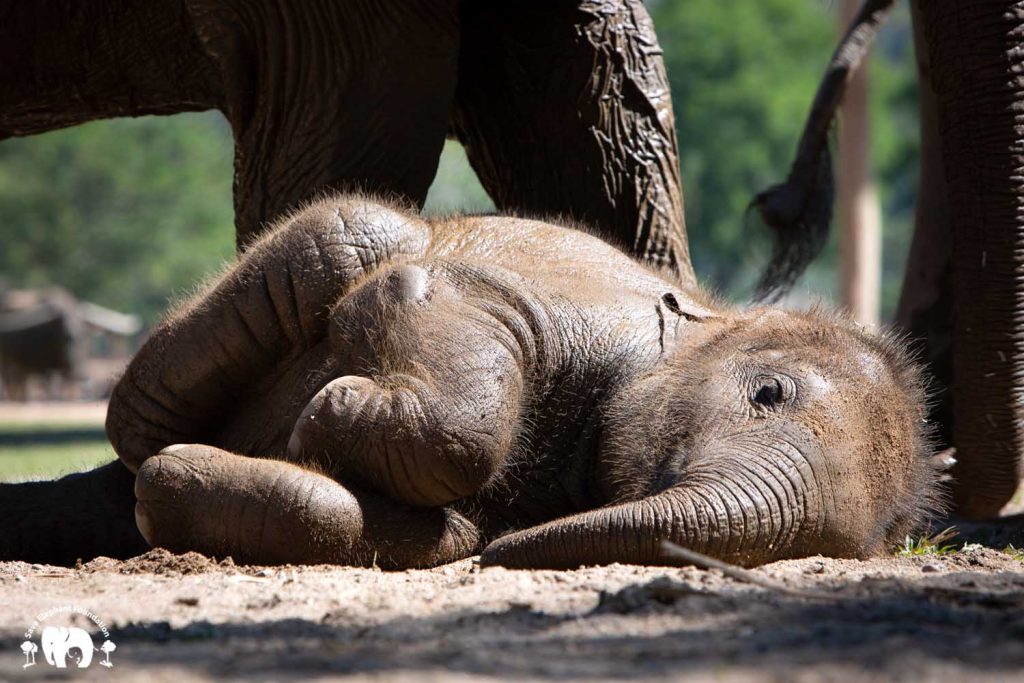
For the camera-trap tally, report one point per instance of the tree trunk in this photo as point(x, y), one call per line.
point(860, 217)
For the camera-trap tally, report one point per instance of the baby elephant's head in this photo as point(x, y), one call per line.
point(766, 435)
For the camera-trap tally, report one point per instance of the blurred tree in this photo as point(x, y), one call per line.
point(125, 213)
point(132, 212)
point(895, 147)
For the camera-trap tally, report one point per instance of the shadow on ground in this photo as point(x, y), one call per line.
point(900, 621)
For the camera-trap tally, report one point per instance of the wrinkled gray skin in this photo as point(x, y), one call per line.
point(563, 107)
point(443, 383)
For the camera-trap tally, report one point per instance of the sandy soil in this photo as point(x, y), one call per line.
point(188, 618)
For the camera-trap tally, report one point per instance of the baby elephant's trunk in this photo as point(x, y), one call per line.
point(746, 513)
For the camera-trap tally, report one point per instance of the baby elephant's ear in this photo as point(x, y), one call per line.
point(685, 308)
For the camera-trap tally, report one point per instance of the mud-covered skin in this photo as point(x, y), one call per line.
point(481, 375)
point(437, 385)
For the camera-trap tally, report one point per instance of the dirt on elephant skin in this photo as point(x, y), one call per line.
point(191, 618)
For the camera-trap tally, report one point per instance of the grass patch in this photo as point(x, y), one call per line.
point(46, 461)
point(1014, 552)
point(935, 544)
point(44, 427)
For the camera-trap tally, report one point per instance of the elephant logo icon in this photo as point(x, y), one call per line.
point(62, 644)
point(59, 641)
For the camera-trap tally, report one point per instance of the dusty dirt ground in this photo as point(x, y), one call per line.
point(188, 618)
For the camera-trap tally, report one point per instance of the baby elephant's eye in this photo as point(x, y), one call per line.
point(770, 392)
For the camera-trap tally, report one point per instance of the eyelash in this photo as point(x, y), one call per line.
point(770, 391)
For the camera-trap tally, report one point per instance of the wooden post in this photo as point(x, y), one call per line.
point(860, 238)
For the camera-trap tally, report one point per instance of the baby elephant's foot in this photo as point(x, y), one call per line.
point(204, 499)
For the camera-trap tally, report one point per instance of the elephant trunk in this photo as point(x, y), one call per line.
point(974, 51)
point(745, 513)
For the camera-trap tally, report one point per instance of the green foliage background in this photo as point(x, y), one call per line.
point(126, 213)
point(131, 213)
point(742, 75)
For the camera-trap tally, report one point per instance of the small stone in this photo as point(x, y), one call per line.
point(19, 577)
point(265, 572)
point(931, 568)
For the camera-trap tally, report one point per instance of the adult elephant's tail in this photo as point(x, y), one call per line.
point(799, 210)
point(77, 517)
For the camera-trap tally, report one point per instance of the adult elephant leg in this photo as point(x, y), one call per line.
point(926, 301)
point(331, 95)
point(976, 60)
point(564, 110)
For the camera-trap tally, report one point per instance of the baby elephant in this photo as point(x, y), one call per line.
point(366, 386)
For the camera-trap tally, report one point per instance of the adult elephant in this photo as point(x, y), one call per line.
point(963, 292)
point(563, 106)
point(38, 332)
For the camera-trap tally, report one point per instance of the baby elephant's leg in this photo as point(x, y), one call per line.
point(271, 512)
point(432, 409)
point(263, 313)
